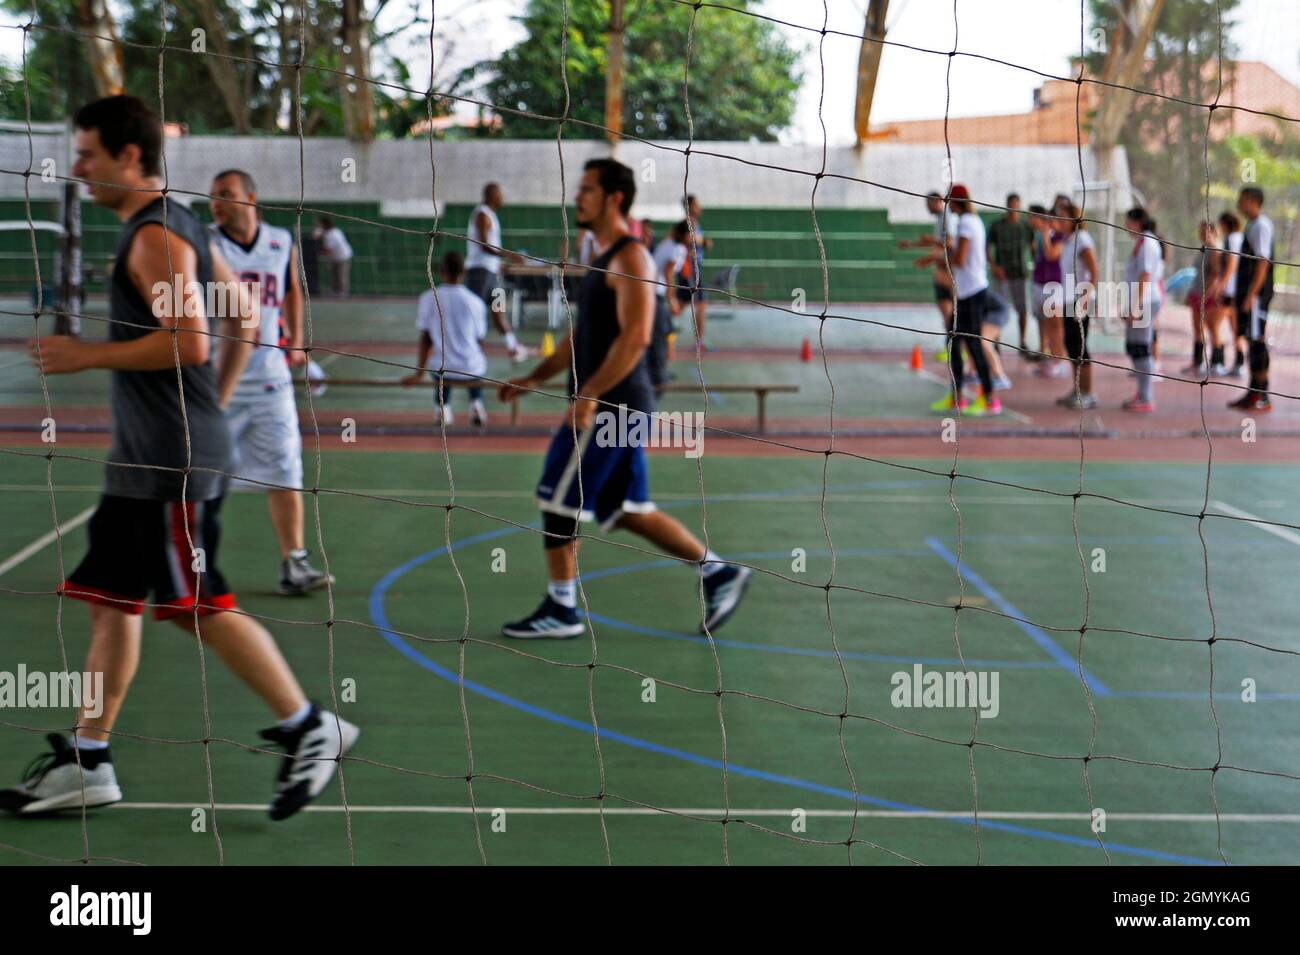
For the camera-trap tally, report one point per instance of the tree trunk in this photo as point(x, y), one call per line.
point(105, 53)
point(220, 66)
point(357, 96)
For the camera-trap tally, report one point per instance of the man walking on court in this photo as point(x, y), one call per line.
point(154, 534)
point(585, 479)
point(483, 255)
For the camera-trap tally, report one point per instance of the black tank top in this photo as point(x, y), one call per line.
point(596, 329)
point(148, 427)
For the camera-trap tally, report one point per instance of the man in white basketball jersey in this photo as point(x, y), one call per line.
point(483, 255)
point(262, 414)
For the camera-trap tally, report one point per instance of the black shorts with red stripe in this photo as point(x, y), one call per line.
point(140, 548)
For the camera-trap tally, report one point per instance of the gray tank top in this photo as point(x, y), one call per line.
point(147, 457)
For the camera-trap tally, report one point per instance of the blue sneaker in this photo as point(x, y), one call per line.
point(551, 621)
point(722, 592)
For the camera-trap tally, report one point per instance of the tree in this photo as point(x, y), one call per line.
point(1166, 140)
point(743, 80)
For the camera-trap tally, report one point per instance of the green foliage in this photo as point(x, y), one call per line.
point(1166, 141)
point(743, 81)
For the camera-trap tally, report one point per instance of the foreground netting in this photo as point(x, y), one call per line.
point(720, 689)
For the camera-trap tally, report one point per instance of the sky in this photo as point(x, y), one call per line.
point(1040, 34)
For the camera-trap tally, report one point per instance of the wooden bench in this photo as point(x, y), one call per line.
point(760, 391)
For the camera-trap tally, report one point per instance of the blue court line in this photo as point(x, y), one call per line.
point(794, 651)
point(1039, 637)
point(1203, 695)
point(380, 618)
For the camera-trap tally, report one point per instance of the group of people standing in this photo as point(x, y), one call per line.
point(1044, 265)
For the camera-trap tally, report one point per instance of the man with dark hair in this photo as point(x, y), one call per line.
point(154, 534)
point(262, 414)
point(483, 255)
point(453, 323)
point(1254, 294)
point(586, 476)
point(1009, 244)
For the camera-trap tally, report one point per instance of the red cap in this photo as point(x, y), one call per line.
point(959, 191)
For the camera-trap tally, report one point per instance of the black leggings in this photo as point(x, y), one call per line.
point(966, 323)
point(1076, 338)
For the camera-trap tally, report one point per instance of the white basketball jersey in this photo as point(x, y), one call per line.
point(266, 262)
point(476, 256)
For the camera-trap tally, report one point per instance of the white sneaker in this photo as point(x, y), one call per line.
point(55, 781)
point(312, 753)
point(477, 413)
point(444, 415)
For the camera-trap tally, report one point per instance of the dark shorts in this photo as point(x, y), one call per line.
point(485, 284)
point(594, 480)
point(942, 293)
point(687, 292)
point(139, 548)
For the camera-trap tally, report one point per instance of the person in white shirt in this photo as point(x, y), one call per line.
point(262, 414)
point(483, 255)
point(966, 256)
point(945, 225)
point(1073, 299)
point(1142, 274)
point(453, 323)
point(1230, 229)
point(669, 256)
point(335, 250)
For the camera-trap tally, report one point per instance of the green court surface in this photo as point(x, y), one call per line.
point(804, 719)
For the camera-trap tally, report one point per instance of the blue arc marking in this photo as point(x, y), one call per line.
point(379, 616)
point(1053, 648)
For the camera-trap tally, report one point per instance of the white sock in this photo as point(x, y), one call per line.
point(564, 592)
point(712, 563)
point(511, 342)
point(82, 742)
point(294, 719)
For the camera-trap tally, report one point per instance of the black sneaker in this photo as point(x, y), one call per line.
point(312, 753)
point(298, 576)
point(54, 781)
point(550, 621)
point(722, 592)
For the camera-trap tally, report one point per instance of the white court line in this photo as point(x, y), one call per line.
point(946, 382)
point(940, 496)
point(45, 540)
point(775, 813)
point(1283, 532)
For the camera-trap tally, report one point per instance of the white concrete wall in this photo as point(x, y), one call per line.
point(399, 173)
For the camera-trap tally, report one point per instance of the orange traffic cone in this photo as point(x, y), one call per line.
point(805, 353)
point(916, 363)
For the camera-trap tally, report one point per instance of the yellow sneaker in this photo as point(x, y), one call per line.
point(946, 404)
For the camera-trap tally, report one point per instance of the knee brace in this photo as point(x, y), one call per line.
point(1137, 350)
point(559, 530)
point(1258, 356)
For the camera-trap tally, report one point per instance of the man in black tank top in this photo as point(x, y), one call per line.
point(153, 536)
point(595, 471)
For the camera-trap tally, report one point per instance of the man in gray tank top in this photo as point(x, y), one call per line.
point(153, 536)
